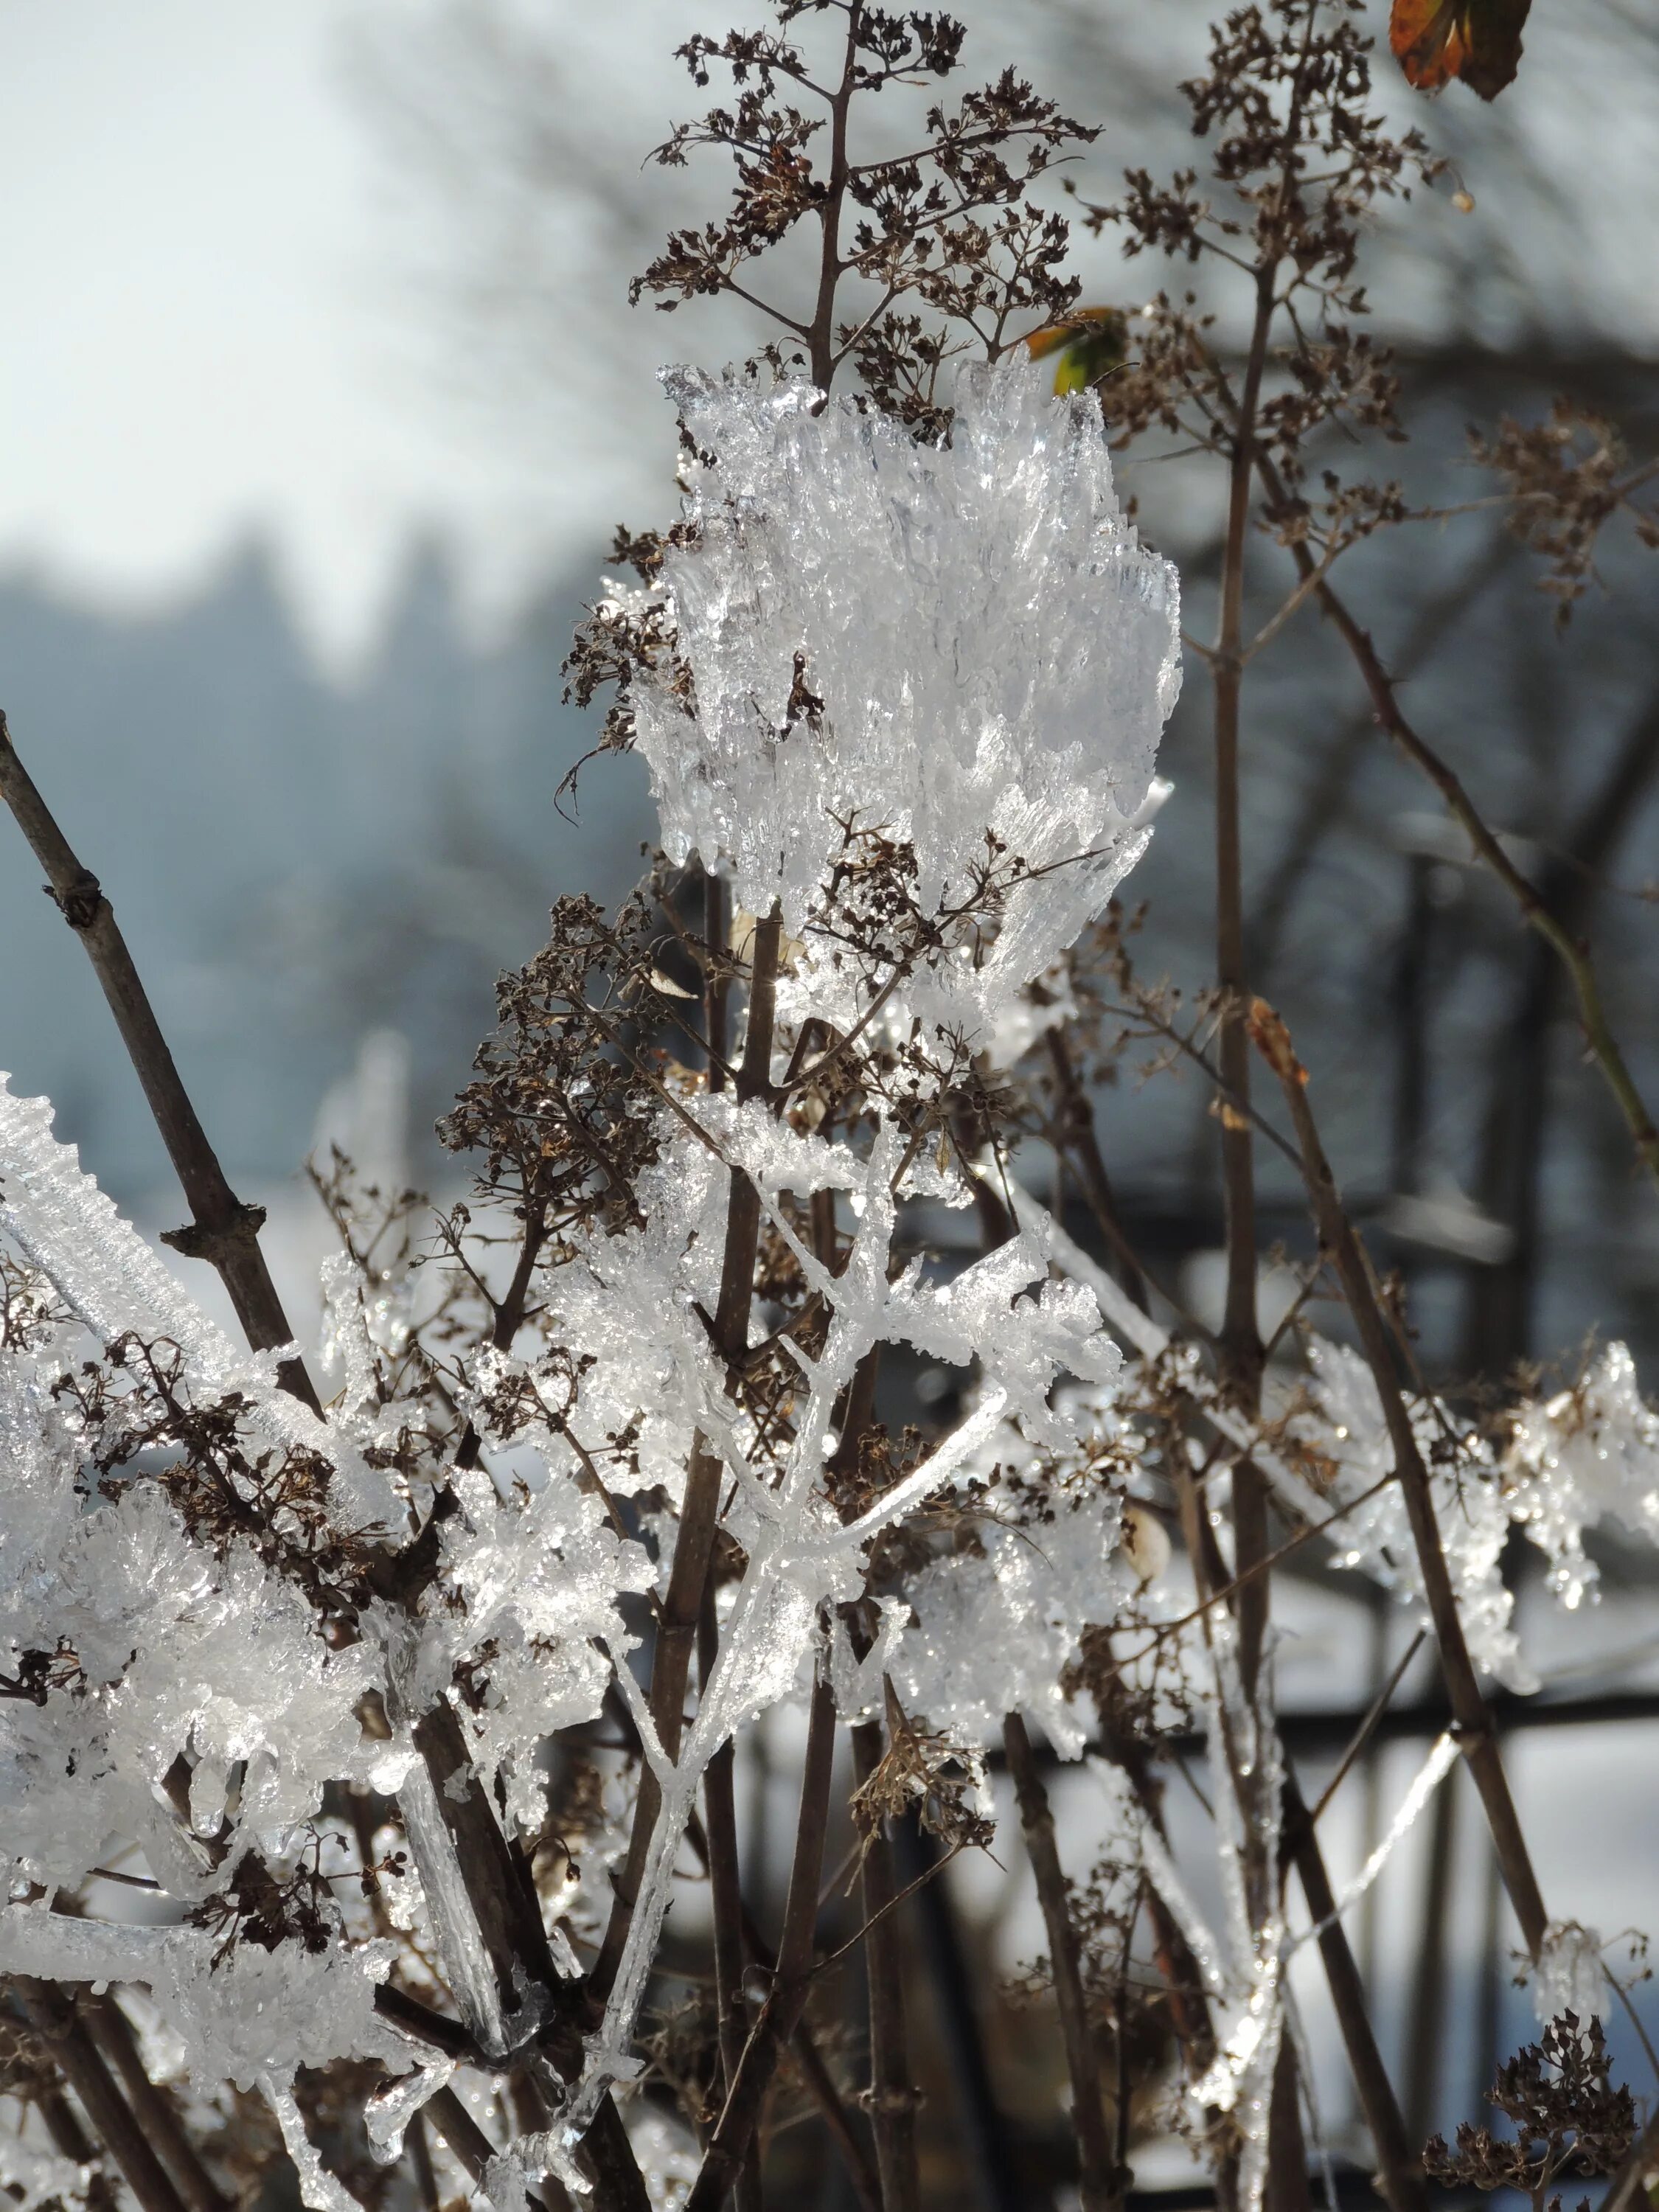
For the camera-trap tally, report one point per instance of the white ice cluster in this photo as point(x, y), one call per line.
point(180, 1652)
point(1584, 1457)
point(529, 1604)
point(172, 1655)
point(1569, 1974)
point(1587, 1454)
point(994, 1631)
point(1344, 1425)
point(987, 646)
point(1004, 1313)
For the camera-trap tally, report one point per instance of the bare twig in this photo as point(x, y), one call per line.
point(1400, 2174)
point(892, 2094)
point(53, 2016)
point(1100, 2182)
point(222, 1231)
point(1600, 1041)
point(786, 1999)
point(152, 2107)
point(1476, 1737)
point(1076, 1133)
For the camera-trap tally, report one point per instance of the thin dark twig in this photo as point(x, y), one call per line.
point(785, 2003)
point(1476, 1737)
point(1098, 2185)
point(1574, 954)
point(1367, 1728)
point(223, 1231)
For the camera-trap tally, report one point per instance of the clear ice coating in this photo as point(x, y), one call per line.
point(934, 640)
point(1568, 1975)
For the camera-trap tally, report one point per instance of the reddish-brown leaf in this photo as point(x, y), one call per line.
point(1478, 41)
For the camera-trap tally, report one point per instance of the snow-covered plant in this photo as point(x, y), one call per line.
point(367, 1707)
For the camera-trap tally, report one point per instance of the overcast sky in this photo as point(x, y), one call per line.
point(205, 270)
point(203, 329)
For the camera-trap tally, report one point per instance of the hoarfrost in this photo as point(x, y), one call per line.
point(986, 645)
point(993, 1633)
point(1587, 1454)
point(32, 2176)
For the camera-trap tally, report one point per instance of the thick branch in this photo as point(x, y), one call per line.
point(498, 1882)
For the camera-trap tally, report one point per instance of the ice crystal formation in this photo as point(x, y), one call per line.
point(945, 642)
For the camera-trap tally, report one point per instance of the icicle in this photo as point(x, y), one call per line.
point(389, 2111)
point(1433, 1771)
point(461, 1945)
point(319, 2188)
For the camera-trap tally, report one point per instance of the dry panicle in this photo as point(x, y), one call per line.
point(1567, 2115)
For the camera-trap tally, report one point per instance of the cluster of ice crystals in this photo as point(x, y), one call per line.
point(180, 1654)
point(531, 1589)
point(256, 2014)
point(1568, 1974)
point(1587, 1454)
point(32, 2176)
point(993, 1632)
point(986, 646)
point(169, 1653)
point(114, 1285)
point(1024, 1331)
point(1345, 1426)
point(1242, 1961)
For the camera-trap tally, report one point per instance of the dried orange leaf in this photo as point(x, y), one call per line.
point(1478, 41)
